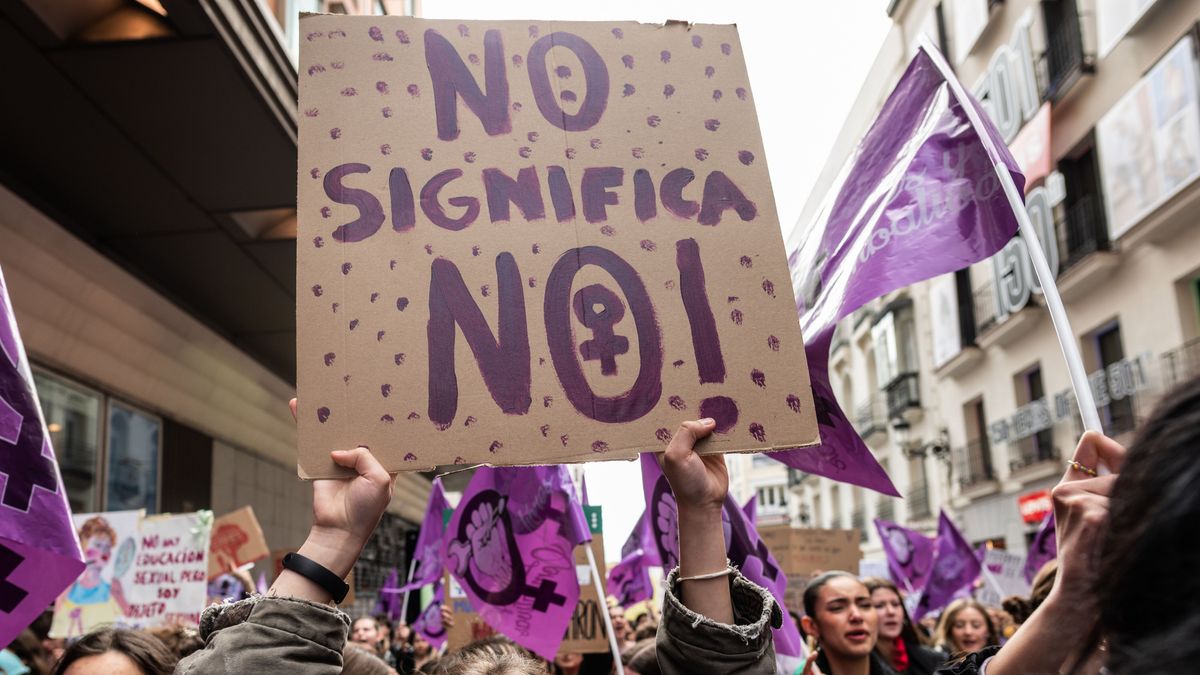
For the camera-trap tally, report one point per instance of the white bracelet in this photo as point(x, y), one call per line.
point(710, 575)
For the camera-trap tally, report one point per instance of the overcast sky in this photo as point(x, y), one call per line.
point(806, 60)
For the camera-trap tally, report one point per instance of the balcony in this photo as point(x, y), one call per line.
point(1085, 230)
point(870, 420)
point(985, 308)
point(1033, 450)
point(904, 397)
point(1064, 61)
point(885, 508)
point(1181, 364)
point(918, 502)
point(857, 522)
point(975, 464)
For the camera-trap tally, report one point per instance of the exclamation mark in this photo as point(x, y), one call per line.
point(705, 341)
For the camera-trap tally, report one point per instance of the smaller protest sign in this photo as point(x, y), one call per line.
point(1003, 576)
point(237, 539)
point(110, 542)
point(804, 553)
point(587, 632)
point(170, 571)
point(468, 625)
point(872, 568)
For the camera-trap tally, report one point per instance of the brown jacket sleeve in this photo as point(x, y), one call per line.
point(690, 643)
point(265, 634)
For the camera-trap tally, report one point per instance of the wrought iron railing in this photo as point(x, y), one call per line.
point(870, 416)
point(1064, 60)
point(1033, 450)
point(858, 522)
point(975, 463)
point(903, 393)
point(917, 500)
point(1182, 363)
point(1085, 229)
point(885, 508)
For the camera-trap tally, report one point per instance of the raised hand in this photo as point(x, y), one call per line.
point(489, 544)
point(698, 481)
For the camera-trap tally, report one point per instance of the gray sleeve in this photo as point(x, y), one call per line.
point(690, 643)
point(265, 634)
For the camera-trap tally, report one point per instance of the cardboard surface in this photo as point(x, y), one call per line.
point(237, 539)
point(804, 553)
point(587, 633)
point(549, 242)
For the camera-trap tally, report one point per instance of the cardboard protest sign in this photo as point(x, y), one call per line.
point(99, 596)
point(587, 204)
point(587, 634)
point(237, 539)
point(804, 553)
point(170, 571)
point(1003, 576)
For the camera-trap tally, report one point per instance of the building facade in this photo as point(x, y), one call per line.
point(1098, 101)
point(147, 235)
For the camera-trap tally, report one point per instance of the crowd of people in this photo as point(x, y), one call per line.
point(1119, 598)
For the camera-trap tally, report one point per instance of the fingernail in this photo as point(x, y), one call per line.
point(708, 422)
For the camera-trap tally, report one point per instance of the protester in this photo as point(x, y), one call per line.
point(840, 614)
point(965, 627)
point(357, 660)
point(714, 620)
point(496, 655)
point(367, 632)
point(117, 651)
point(621, 628)
point(28, 654)
point(899, 643)
point(178, 640)
point(1020, 608)
point(643, 659)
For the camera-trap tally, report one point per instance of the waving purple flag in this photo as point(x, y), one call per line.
point(1042, 549)
point(429, 624)
point(909, 554)
point(511, 545)
point(642, 539)
point(919, 198)
point(39, 552)
point(743, 546)
point(955, 568)
point(428, 550)
point(750, 508)
point(629, 580)
point(583, 490)
point(388, 603)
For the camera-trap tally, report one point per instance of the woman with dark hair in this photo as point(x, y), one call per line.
point(965, 627)
point(899, 644)
point(839, 613)
point(1020, 608)
point(116, 651)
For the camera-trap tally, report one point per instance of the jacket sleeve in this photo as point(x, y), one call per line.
point(267, 634)
point(969, 664)
point(688, 642)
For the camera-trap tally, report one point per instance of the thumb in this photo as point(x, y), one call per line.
point(684, 441)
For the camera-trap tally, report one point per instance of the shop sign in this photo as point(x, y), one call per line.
point(1034, 506)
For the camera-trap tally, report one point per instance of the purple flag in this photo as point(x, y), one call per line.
point(261, 585)
point(583, 490)
point(743, 547)
point(919, 198)
point(429, 624)
point(955, 568)
point(39, 551)
point(511, 545)
point(388, 603)
point(428, 550)
point(909, 555)
point(750, 508)
point(642, 539)
point(629, 580)
point(1042, 549)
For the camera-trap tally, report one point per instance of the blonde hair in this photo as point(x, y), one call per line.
point(945, 627)
point(97, 525)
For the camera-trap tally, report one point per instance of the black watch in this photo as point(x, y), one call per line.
point(318, 574)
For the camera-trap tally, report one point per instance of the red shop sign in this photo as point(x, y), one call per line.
point(1034, 506)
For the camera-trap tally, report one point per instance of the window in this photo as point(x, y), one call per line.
point(108, 451)
point(73, 418)
point(133, 451)
point(917, 498)
point(1037, 446)
point(976, 458)
point(1064, 59)
point(1115, 414)
point(1085, 229)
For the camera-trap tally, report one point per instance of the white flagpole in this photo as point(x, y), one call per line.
point(412, 568)
point(599, 586)
point(1058, 313)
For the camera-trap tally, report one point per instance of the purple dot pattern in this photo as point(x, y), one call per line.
point(347, 131)
point(322, 414)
